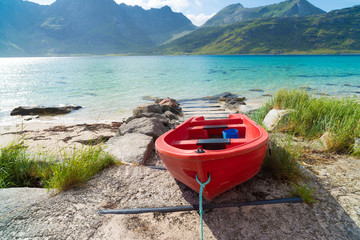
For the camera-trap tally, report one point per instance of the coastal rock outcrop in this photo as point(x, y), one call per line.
point(147, 108)
point(132, 148)
point(148, 126)
point(169, 102)
point(42, 110)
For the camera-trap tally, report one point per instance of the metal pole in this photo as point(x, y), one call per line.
point(196, 207)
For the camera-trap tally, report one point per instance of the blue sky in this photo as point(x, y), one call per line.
point(198, 11)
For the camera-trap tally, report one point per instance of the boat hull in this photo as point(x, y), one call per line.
point(227, 167)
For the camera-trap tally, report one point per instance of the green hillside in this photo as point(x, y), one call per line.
point(331, 33)
point(236, 12)
point(84, 27)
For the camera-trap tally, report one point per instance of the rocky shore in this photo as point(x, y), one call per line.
point(38, 214)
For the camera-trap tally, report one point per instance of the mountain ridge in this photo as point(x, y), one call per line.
point(331, 33)
point(84, 27)
point(237, 12)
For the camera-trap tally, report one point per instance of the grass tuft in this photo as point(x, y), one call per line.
point(305, 192)
point(282, 160)
point(78, 167)
point(17, 167)
point(21, 168)
point(313, 116)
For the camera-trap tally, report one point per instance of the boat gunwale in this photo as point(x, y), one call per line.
point(163, 147)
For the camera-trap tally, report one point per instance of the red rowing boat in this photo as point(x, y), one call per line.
point(197, 148)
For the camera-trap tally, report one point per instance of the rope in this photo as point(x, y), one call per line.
point(202, 186)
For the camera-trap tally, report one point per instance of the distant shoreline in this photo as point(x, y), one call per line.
point(184, 54)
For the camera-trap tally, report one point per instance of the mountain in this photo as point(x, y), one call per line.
point(84, 27)
point(236, 12)
point(333, 32)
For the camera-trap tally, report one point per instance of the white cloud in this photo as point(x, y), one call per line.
point(176, 5)
point(200, 19)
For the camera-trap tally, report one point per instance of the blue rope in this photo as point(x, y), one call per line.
point(202, 186)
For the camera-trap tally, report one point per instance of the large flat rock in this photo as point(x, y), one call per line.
point(14, 200)
point(132, 148)
point(149, 126)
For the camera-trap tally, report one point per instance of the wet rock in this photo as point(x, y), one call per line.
point(133, 148)
point(273, 118)
point(41, 110)
point(227, 95)
point(221, 97)
point(234, 103)
point(149, 126)
point(147, 108)
point(256, 90)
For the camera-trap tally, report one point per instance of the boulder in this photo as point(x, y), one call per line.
point(133, 148)
point(169, 102)
point(274, 116)
point(325, 140)
point(41, 110)
point(147, 108)
point(158, 116)
point(176, 111)
point(149, 126)
point(171, 115)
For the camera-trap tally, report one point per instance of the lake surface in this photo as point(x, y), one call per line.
point(109, 86)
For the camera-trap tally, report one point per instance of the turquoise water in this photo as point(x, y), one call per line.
point(109, 86)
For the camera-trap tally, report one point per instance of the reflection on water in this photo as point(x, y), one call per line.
point(106, 86)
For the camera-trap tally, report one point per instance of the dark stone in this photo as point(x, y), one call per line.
point(176, 111)
point(171, 115)
point(256, 90)
point(221, 96)
point(41, 110)
point(234, 103)
point(147, 108)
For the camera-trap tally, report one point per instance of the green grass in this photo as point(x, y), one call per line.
point(282, 159)
point(313, 116)
point(17, 167)
point(305, 192)
point(21, 168)
point(78, 167)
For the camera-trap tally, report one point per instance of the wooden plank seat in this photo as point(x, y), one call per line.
point(213, 141)
point(194, 142)
point(207, 127)
point(215, 127)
